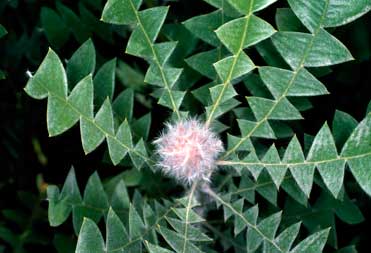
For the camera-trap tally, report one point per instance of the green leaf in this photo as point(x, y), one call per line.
point(241, 64)
point(332, 170)
point(284, 110)
point(60, 116)
point(260, 106)
point(321, 49)
point(149, 25)
point(49, 76)
point(203, 26)
point(225, 6)
point(135, 222)
point(342, 127)
point(287, 237)
point(359, 142)
point(302, 173)
point(121, 12)
point(116, 232)
point(234, 33)
point(248, 6)
point(287, 21)
point(81, 96)
point(104, 82)
point(55, 29)
point(275, 171)
point(142, 126)
point(172, 101)
point(82, 63)
point(119, 146)
point(123, 105)
point(229, 92)
point(94, 194)
point(203, 62)
point(284, 82)
point(176, 241)
point(314, 243)
point(156, 249)
point(90, 239)
point(327, 13)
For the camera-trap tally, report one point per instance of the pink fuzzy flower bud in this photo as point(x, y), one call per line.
point(188, 151)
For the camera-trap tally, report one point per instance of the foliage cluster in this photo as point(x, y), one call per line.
point(294, 177)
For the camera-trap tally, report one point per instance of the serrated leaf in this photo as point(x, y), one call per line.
point(155, 248)
point(186, 214)
point(120, 198)
point(277, 172)
point(287, 21)
point(287, 237)
point(313, 243)
point(81, 97)
point(343, 125)
point(58, 210)
point(301, 83)
point(123, 105)
point(173, 101)
point(91, 135)
point(104, 118)
point(81, 64)
point(269, 226)
point(260, 106)
point(322, 49)
point(222, 108)
point(203, 26)
point(359, 141)
point(49, 76)
point(142, 126)
point(135, 222)
point(233, 67)
point(94, 194)
point(176, 241)
point(203, 62)
point(284, 110)
point(104, 82)
point(193, 233)
point(141, 40)
point(60, 116)
point(116, 233)
point(119, 146)
point(120, 11)
point(90, 239)
point(139, 155)
point(248, 6)
point(157, 76)
point(234, 33)
point(323, 148)
point(228, 92)
point(325, 13)
point(267, 191)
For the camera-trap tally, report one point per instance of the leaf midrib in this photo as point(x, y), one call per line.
point(156, 58)
point(284, 94)
point(231, 70)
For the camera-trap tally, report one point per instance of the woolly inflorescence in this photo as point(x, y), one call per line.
point(188, 151)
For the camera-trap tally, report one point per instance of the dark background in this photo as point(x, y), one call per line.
point(30, 159)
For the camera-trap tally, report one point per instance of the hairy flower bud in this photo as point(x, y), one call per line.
point(188, 151)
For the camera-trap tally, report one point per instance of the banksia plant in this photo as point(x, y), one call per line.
point(228, 90)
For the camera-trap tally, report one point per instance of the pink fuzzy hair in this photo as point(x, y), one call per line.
point(188, 151)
